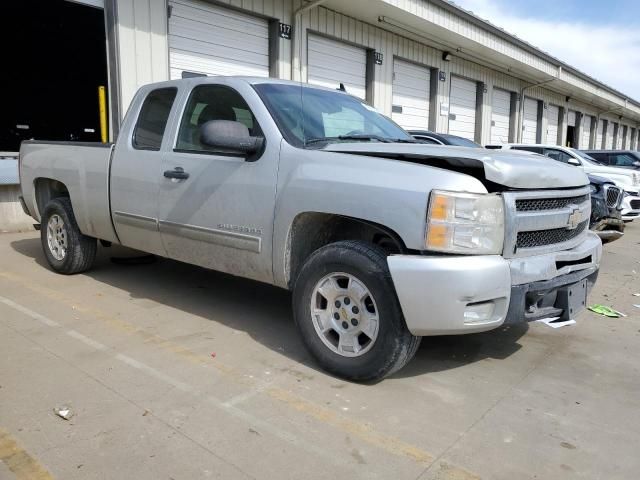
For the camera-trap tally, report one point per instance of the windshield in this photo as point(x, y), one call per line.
point(461, 141)
point(586, 157)
point(311, 116)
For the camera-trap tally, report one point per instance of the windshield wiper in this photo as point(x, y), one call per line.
point(363, 136)
point(403, 140)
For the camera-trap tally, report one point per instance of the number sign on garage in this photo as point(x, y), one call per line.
point(212, 40)
point(332, 62)
point(500, 115)
point(530, 121)
point(411, 94)
point(462, 107)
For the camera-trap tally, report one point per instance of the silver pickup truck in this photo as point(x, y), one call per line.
point(380, 239)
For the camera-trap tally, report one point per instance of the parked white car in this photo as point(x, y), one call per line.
point(626, 178)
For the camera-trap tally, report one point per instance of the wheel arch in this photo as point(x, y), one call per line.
point(310, 231)
point(46, 189)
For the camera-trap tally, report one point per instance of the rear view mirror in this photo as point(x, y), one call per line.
point(229, 136)
point(574, 162)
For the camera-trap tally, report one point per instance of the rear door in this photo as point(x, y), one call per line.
point(553, 117)
point(500, 115)
point(411, 86)
point(213, 40)
point(220, 213)
point(332, 62)
point(136, 171)
point(586, 132)
point(462, 109)
point(530, 122)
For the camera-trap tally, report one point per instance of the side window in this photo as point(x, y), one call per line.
point(528, 149)
point(152, 120)
point(558, 155)
point(212, 102)
point(601, 157)
point(621, 160)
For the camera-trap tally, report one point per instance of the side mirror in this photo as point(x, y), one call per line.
point(229, 137)
point(574, 162)
point(636, 164)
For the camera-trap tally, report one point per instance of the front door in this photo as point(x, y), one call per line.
point(220, 213)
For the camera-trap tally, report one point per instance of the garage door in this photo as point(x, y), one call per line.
point(500, 114)
point(411, 85)
point(462, 108)
point(332, 63)
point(586, 132)
point(530, 124)
point(212, 40)
point(553, 118)
point(599, 134)
point(609, 136)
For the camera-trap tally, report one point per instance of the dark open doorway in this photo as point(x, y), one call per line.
point(571, 136)
point(54, 53)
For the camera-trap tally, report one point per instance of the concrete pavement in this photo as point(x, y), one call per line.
point(174, 372)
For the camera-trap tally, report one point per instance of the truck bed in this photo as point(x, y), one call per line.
point(83, 167)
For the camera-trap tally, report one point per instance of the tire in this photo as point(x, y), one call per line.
point(67, 249)
point(351, 265)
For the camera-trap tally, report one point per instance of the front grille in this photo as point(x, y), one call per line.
point(540, 238)
point(531, 205)
point(635, 204)
point(612, 195)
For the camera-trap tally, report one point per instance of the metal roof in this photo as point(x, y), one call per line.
point(501, 32)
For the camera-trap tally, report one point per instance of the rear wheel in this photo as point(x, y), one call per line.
point(348, 313)
point(67, 249)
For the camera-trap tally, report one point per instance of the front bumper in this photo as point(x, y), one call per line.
point(448, 295)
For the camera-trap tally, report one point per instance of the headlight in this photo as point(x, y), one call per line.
point(636, 179)
point(467, 223)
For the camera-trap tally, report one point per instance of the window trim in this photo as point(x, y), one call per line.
point(246, 157)
point(137, 122)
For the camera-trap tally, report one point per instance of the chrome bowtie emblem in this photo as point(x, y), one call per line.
point(574, 219)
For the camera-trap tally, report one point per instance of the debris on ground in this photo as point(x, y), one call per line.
point(606, 311)
point(213, 354)
point(555, 322)
point(63, 412)
point(636, 294)
point(636, 305)
point(146, 412)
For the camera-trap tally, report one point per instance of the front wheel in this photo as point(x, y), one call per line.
point(347, 311)
point(67, 249)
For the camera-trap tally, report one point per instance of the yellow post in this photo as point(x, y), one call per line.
point(102, 101)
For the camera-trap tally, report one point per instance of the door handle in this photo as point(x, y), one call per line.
point(177, 172)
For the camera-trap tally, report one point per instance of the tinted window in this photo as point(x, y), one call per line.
point(213, 102)
point(601, 157)
point(529, 149)
point(152, 120)
point(461, 142)
point(558, 155)
point(621, 159)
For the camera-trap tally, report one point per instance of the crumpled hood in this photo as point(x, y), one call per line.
point(504, 167)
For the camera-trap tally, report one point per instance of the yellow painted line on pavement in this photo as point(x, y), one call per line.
point(18, 460)
point(321, 414)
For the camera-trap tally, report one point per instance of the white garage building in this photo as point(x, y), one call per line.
point(426, 63)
